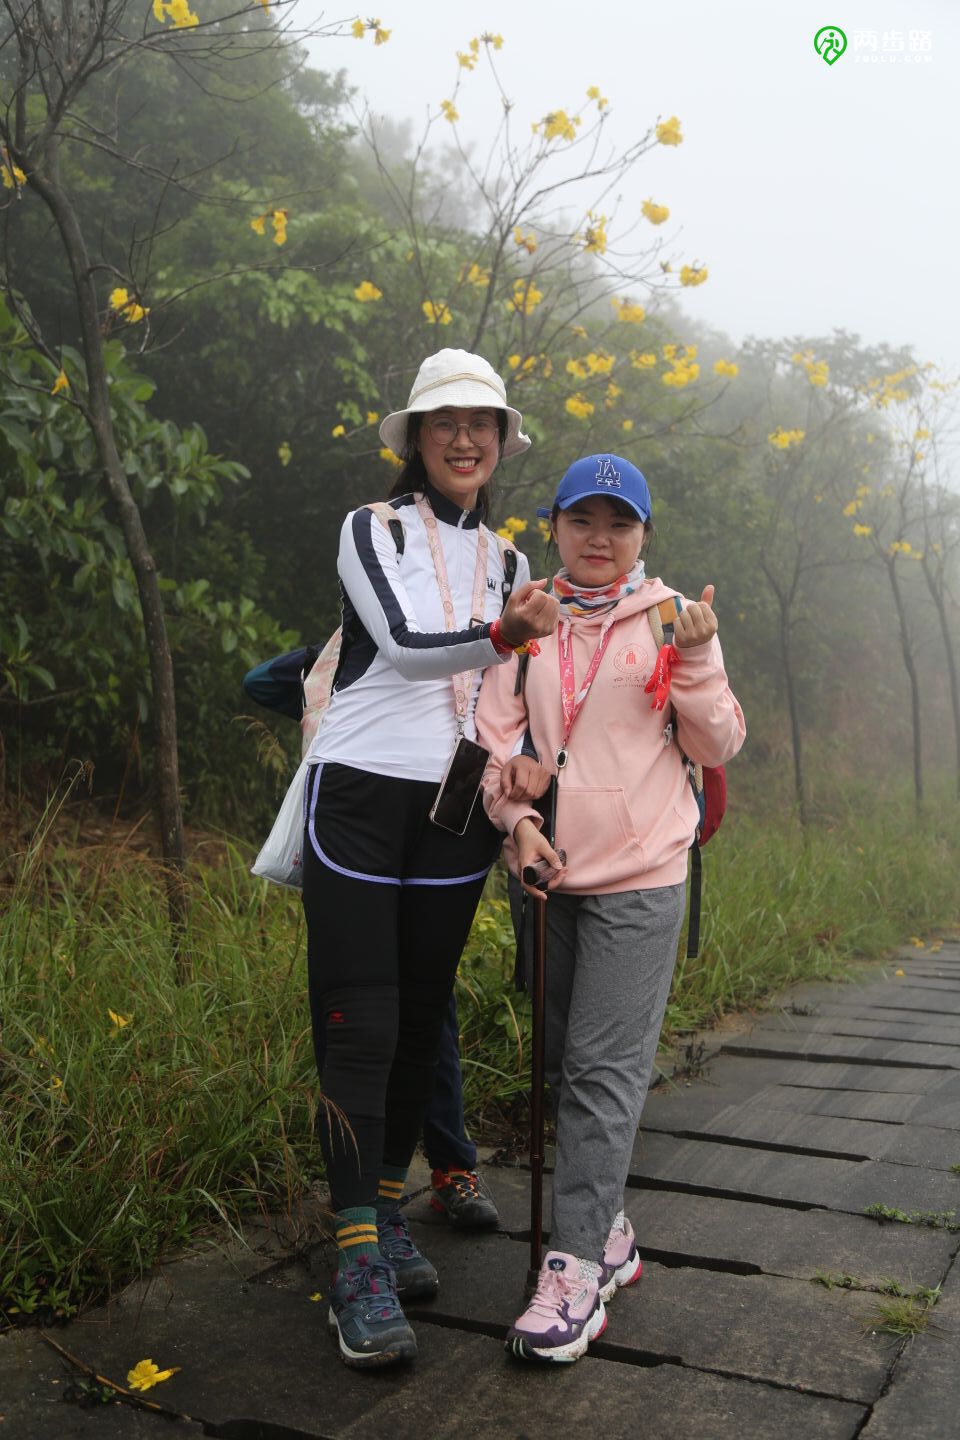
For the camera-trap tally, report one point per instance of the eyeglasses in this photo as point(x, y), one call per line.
point(443, 431)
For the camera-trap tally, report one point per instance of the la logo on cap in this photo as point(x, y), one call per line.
point(607, 473)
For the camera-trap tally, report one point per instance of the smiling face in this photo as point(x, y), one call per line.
point(598, 540)
point(459, 467)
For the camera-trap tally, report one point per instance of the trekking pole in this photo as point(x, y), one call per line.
point(538, 875)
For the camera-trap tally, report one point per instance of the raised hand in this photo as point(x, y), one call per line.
point(530, 613)
point(696, 623)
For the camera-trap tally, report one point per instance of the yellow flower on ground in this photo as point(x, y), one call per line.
point(61, 383)
point(863, 529)
point(646, 361)
point(693, 274)
point(387, 454)
point(656, 214)
point(258, 224)
point(317, 1295)
point(668, 132)
point(577, 406)
point(915, 940)
point(357, 29)
point(367, 291)
point(372, 417)
point(628, 313)
point(728, 368)
point(119, 1021)
point(436, 314)
point(284, 453)
point(338, 431)
point(899, 972)
point(449, 111)
point(626, 424)
point(525, 298)
point(145, 1375)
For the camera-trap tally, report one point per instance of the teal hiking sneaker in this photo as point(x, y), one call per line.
point(416, 1277)
point(365, 1313)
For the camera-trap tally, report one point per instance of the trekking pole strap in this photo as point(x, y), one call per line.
point(696, 887)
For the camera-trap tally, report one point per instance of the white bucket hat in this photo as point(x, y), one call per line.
point(455, 377)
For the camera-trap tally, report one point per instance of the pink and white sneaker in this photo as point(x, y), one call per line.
point(621, 1265)
point(565, 1314)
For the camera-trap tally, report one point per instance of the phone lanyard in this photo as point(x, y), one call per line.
point(462, 682)
point(570, 698)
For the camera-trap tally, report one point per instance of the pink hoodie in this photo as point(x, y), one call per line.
point(626, 814)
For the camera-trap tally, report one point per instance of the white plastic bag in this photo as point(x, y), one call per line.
point(281, 859)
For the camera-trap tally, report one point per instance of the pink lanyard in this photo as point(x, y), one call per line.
point(570, 698)
point(462, 682)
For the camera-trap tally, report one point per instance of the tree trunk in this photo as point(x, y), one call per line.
point(911, 670)
point(793, 705)
point(941, 609)
point(100, 419)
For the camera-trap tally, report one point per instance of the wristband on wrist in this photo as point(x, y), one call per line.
point(503, 646)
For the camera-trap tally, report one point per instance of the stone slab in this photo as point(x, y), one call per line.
point(760, 1120)
point(845, 1104)
point(924, 1394)
point(924, 1031)
point(788, 1332)
point(771, 1042)
point(741, 1170)
point(33, 1382)
point(901, 996)
point(826, 1074)
point(840, 1009)
point(256, 1356)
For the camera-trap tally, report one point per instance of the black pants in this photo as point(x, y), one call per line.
point(389, 899)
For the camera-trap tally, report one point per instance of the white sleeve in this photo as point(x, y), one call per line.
point(369, 568)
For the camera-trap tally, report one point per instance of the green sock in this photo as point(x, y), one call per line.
point(390, 1187)
point(356, 1231)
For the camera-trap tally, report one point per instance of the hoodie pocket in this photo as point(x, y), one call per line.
point(595, 828)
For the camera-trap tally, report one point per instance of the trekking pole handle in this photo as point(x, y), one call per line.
point(541, 871)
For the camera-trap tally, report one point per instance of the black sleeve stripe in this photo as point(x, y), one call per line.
point(363, 521)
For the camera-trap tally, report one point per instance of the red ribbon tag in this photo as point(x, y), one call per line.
point(659, 681)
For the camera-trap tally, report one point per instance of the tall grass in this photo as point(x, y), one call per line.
point(120, 1137)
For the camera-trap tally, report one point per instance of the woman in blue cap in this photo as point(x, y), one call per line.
point(626, 816)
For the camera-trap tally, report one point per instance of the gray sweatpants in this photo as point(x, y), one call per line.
point(610, 960)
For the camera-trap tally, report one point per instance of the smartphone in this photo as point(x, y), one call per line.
point(460, 787)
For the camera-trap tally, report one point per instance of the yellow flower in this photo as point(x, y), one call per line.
point(475, 275)
point(848, 510)
point(513, 361)
point(558, 125)
point(436, 314)
point(372, 417)
point(119, 1021)
point(380, 36)
point(526, 297)
point(516, 524)
point(56, 1083)
point(449, 111)
point(284, 453)
point(259, 222)
point(182, 16)
point(317, 1295)
point(367, 291)
point(504, 533)
point(145, 1375)
point(626, 424)
point(915, 940)
point(727, 368)
point(628, 313)
point(61, 383)
point(899, 972)
point(387, 454)
point(544, 528)
point(11, 174)
point(495, 40)
point(593, 93)
point(468, 61)
point(131, 310)
point(656, 214)
point(577, 369)
point(134, 312)
point(783, 439)
point(357, 29)
point(526, 242)
point(338, 431)
point(159, 9)
point(645, 361)
point(600, 364)
point(119, 298)
point(693, 274)
point(920, 435)
point(278, 219)
point(668, 132)
point(670, 352)
point(265, 4)
point(594, 238)
point(863, 529)
point(576, 405)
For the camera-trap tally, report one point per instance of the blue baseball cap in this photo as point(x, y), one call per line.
point(608, 475)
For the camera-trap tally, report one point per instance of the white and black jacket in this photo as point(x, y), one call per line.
point(392, 711)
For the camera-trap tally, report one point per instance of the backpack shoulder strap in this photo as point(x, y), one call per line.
point(390, 520)
point(661, 617)
point(508, 558)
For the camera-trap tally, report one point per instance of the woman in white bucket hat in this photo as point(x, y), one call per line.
point(396, 852)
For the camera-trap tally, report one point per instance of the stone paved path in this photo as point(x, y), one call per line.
point(745, 1185)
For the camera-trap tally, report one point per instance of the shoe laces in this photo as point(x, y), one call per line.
point(374, 1283)
point(466, 1183)
point(553, 1290)
point(394, 1237)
